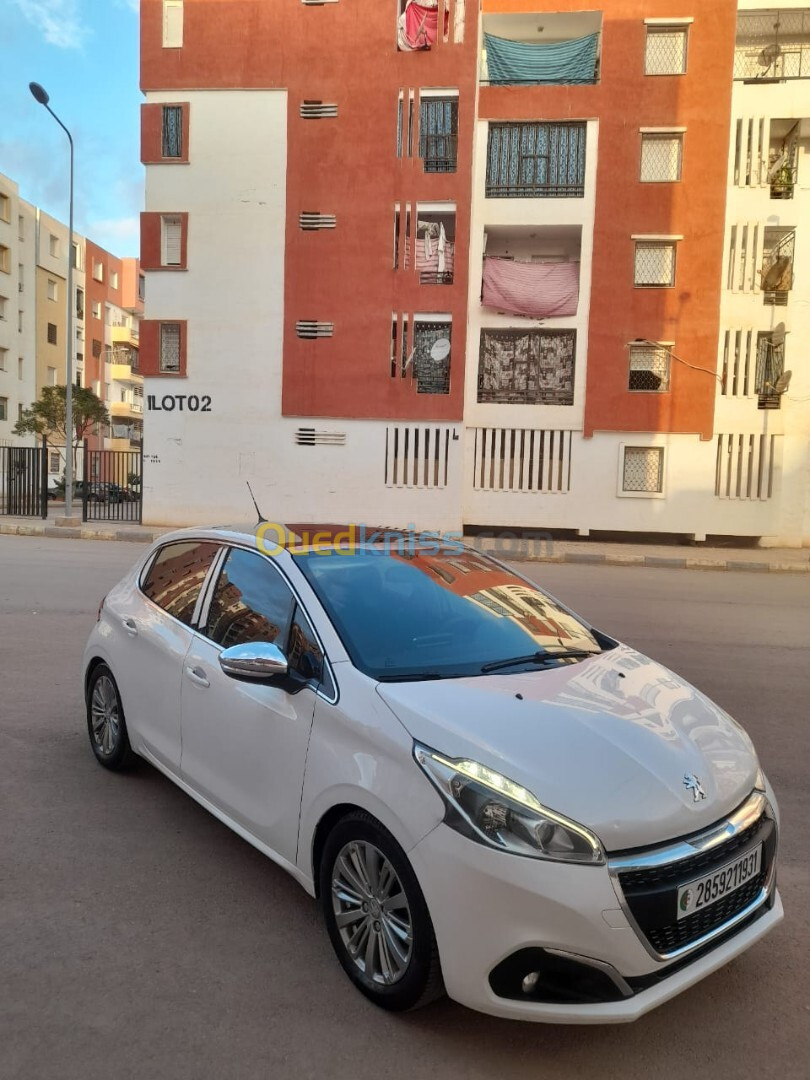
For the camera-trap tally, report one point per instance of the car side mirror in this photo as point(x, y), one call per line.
point(253, 660)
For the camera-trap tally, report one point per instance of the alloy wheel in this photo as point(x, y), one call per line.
point(104, 716)
point(372, 913)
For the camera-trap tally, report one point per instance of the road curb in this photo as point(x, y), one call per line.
point(576, 558)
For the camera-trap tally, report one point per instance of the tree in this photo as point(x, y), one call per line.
point(47, 415)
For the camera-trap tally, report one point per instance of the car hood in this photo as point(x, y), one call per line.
point(607, 741)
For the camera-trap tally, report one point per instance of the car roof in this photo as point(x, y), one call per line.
point(267, 535)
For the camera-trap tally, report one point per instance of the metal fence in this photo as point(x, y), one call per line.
point(24, 480)
point(772, 45)
point(112, 486)
point(536, 160)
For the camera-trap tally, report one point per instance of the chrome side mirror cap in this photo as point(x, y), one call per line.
point(253, 660)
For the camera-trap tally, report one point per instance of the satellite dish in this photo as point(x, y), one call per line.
point(778, 334)
point(772, 278)
point(782, 384)
point(440, 350)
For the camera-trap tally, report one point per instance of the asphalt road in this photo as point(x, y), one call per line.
point(141, 938)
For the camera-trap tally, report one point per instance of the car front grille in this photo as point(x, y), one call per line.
point(651, 892)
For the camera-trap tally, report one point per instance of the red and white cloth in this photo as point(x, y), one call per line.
point(536, 290)
point(419, 25)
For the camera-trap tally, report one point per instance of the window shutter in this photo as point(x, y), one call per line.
point(172, 241)
point(172, 24)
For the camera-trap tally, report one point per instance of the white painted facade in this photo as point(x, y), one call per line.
point(17, 311)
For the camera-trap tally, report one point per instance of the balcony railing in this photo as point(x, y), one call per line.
point(770, 368)
point(526, 161)
point(516, 61)
point(772, 45)
point(777, 265)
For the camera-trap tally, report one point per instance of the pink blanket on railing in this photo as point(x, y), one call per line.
point(537, 290)
point(419, 26)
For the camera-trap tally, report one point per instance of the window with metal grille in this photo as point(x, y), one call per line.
point(5, 259)
point(661, 157)
point(438, 134)
point(666, 50)
point(172, 24)
point(3, 408)
point(431, 356)
point(643, 469)
point(649, 368)
point(310, 328)
point(536, 161)
point(527, 367)
point(5, 207)
point(655, 264)
point(171, 240)
point(773, 44)
point(172, 133)
point(417, 456)
point(51, 333)
point(169, 347)
point(96, 349)
point(317, 110)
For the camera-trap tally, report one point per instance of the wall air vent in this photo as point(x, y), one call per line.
point(310, 328)
point(312, 219)
point(306, 436)
point(317, 110)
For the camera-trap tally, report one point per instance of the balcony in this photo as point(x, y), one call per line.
point(783, 155)
point(776, 275)
point(125, 410)
point(770, 369)
point(121, 334)
point(536, 161)
point(541, 49)
point(773, 45)
point(532, 272)
point(435, 244)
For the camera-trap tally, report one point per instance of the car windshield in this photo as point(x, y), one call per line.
point(428, 615)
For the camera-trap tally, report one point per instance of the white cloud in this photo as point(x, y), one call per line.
point(114, 233)
point(58, 20)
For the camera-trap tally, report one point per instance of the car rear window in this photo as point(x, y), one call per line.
point(175, 577)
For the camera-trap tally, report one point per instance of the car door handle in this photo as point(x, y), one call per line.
point(197, 676)
point(130, 626)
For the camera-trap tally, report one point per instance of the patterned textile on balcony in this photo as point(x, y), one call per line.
point(435, 254)
point(563, 62)
point(536, 290)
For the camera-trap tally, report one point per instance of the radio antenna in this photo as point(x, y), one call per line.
point(258, 511)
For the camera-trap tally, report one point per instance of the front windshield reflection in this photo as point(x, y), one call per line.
point(438, 614)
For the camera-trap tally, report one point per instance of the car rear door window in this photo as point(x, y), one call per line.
point(176, 575)
point(251, 602)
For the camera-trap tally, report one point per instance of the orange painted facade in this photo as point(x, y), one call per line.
point(345, 54)
point(624, 101)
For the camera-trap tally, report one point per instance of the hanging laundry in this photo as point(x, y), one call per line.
point(536, 290)
point(418, 25)
point(563, 62)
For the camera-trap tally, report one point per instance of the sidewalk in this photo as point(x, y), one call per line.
point(508, 548)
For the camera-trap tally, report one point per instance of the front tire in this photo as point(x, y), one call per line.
point(106, 725)
point(376, 915)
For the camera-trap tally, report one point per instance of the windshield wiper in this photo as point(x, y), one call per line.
point(540, 658)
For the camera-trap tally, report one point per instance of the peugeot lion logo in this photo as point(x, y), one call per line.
point(692, 783)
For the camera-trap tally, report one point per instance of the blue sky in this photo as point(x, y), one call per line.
point(85, 54)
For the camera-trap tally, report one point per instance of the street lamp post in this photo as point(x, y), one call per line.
point(41, 95)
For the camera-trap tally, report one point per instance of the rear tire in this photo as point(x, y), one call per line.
point(376, 915)
point(106, 725)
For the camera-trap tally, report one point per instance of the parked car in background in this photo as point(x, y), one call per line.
point(488, 795)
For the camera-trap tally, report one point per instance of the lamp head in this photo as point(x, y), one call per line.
point(39, 92)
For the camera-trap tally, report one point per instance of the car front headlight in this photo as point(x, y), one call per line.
point(488, 807)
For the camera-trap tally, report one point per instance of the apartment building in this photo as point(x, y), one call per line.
point(18, 281)
point(492, 292)
point(107, 306)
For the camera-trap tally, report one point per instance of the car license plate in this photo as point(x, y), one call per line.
point(704, 891)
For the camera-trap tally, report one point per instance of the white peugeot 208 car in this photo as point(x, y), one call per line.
point(489, 796)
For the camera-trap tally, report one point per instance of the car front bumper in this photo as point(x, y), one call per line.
point(487, 905)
